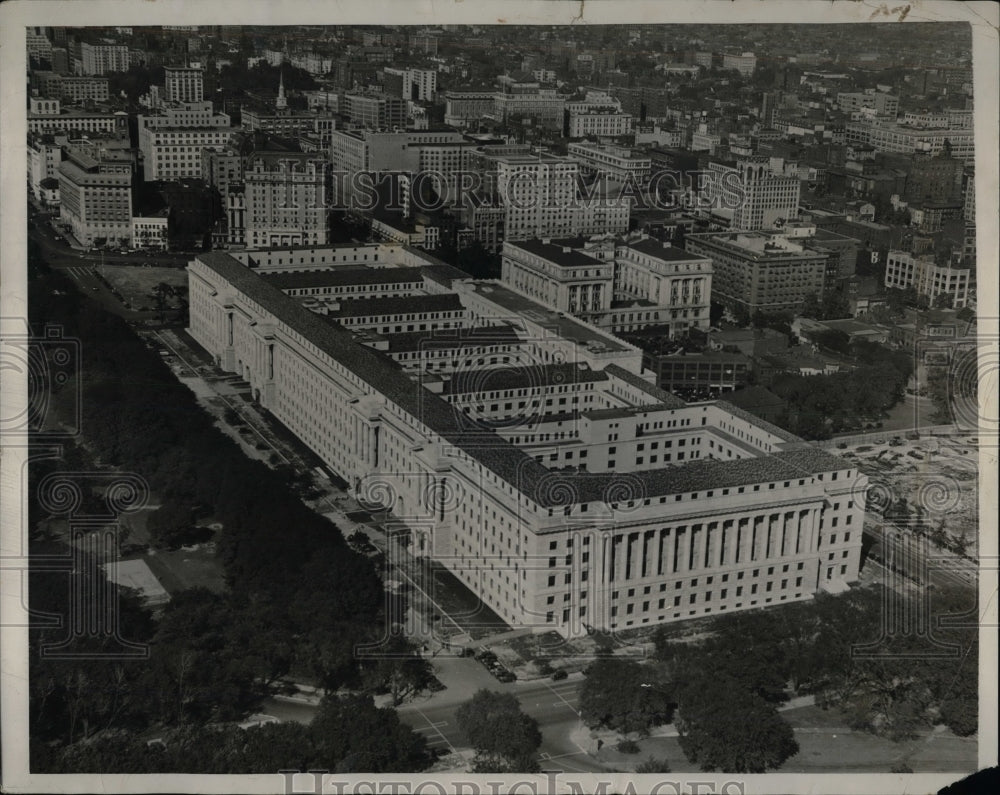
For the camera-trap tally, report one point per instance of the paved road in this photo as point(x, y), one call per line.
point(552, 704)
point(82, 267)
point(918, 561)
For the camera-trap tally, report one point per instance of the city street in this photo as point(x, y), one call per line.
point(552, 704)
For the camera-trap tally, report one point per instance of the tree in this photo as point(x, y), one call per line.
point(724, 727)
point(619, 694)
point(653, 765)
point(504, 738)
point(171, 525)
point(352, 735)
point(199, 671)
point(812, 307)
point(944, 301)
point(400, 670)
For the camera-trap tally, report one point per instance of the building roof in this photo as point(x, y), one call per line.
point(781, 433)
point(506, 461)
point(656, 248)
point(537, 376)
point(445, 274)
point(346, 276)
point(397, 305)
point(563, 325)
point(501, 334)
point(656, 394)
point(558, 252)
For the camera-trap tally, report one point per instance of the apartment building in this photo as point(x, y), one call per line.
point(562, 487)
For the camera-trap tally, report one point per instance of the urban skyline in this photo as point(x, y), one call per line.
point(506, 399)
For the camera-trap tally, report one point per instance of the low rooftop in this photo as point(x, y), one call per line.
point(563, 325)
point(558, 252)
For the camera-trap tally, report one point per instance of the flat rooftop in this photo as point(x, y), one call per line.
point(558, 252)
point(652, 247)
point(398, 305)
point(564, 325)
point(344, 276)
point(379, 374)
point(533, 377)
point(446, 339)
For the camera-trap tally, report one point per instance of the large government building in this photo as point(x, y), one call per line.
point(525, 449)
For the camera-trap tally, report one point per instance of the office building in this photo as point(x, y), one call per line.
point(99, 59)
point(286, 197)
point(745, 63)
point(620, 285)
point(464, 108)
point(174, 153)
point(183, 84)
point(544, 471)
point(928, 277)
point(95, 198)
point(760, 272)
point(617, 163)
point(748, 196)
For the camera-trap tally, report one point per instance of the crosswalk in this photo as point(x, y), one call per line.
point(81, 272)
point(436, 740)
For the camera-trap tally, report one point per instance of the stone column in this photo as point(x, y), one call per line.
point(685, 550)
point(746, 539)
point(699, 543)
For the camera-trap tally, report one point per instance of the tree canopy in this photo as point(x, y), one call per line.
point(623, 695)
point(505, 738)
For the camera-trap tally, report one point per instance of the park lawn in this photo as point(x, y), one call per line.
point(136, 283)
point(178, 570)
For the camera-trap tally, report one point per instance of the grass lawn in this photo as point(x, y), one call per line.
point(136, 283)
point(178, 570)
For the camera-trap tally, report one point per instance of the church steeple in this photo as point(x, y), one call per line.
point(281, 103)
